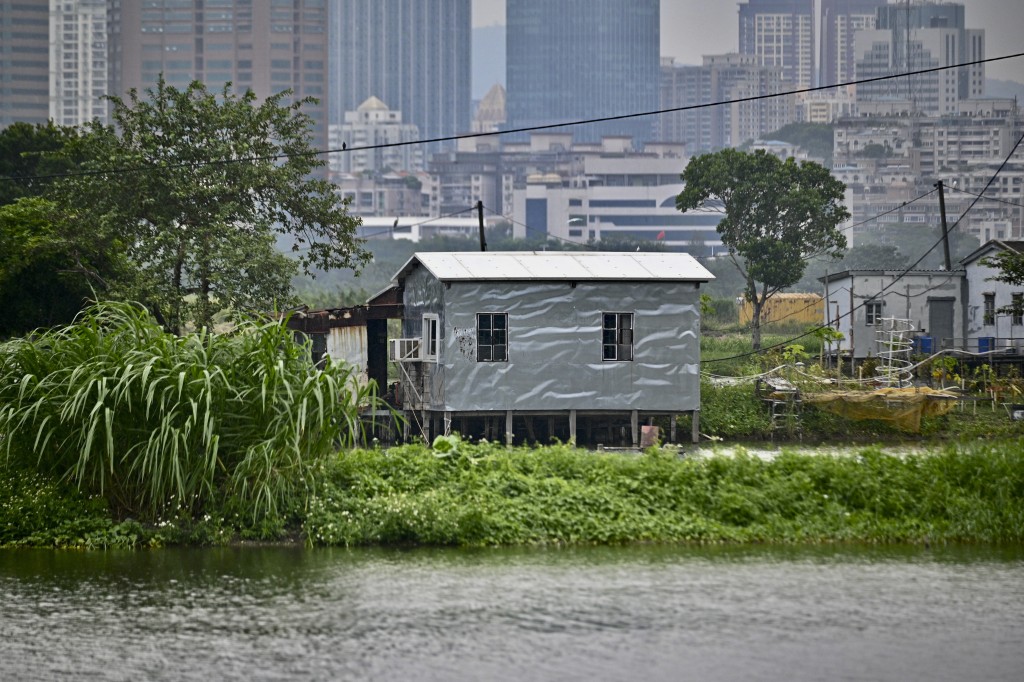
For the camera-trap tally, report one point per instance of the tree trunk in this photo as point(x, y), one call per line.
point(755, 322)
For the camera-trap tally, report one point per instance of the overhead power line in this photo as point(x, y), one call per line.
point(463, 136)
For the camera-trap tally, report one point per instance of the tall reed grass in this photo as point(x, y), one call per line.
point(162, 425)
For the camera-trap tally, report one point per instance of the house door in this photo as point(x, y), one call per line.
point(940, 322)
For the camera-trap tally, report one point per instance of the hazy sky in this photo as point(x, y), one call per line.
point(693, 28)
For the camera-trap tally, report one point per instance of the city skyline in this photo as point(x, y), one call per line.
point(1003, 21)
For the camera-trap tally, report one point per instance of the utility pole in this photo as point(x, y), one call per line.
point(480, 214)
point(945, 229)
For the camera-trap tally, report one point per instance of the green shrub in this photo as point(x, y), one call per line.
point(161, 425)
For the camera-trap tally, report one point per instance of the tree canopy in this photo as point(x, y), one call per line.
point(196, 188)
point(778, 215)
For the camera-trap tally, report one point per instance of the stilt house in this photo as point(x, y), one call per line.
point(568, 345)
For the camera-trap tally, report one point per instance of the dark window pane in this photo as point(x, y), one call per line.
point(499, 354)
point(485, 337)
point(609, 321)
point(499, 321)
point(609, 336)
point(484, 321)
point(626, 321)
point(625, 352)
point(609, 352)
point(484, 353)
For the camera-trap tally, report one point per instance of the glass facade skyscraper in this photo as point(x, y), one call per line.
point(574, 60)
point(414, 55)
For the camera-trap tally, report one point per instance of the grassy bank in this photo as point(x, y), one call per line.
point(487, 495)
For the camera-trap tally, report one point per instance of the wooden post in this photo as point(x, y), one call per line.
point(508, 428)
point(695, 424)
point(572, 428)
point(634, 427)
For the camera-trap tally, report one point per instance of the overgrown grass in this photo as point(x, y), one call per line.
point(487, 495)
point(166, 427)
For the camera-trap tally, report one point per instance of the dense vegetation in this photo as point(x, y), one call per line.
point(162, 427)
point(117, 433)
point(485, 494)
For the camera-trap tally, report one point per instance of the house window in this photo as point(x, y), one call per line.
point(492, 337)
point(1017, 314)
point(617, 337)
point(873, 313)
point(989, 311)
point(431, 337)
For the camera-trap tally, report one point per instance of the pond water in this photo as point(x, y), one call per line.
point(632, 613)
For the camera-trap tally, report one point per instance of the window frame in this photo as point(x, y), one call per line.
point(1017, 315)
point(490, 330)
point(988, 309)
point(431, 337)
point(623, 337)
point(873, 313)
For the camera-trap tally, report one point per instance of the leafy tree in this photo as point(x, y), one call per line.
point(1010, 264)
point(815, 138)
point(41, 282)
point(195, 186)
point(778, 214)
point(29, 154)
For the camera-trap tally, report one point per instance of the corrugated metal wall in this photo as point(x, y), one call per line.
point(555, 345)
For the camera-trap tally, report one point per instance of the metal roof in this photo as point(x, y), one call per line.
point(558, 265)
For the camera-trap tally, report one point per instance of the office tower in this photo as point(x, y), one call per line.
point(266, 46)
point(582, 59)
point(723, 78)
point(780, 33)
point(914, 37)
point(412, 54)
point(840, 20)
point(79, 61)
point(24, 61)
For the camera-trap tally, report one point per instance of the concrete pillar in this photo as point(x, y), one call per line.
point(508, 428)
point(572, 428)
point(695, 422)
point(634, 427)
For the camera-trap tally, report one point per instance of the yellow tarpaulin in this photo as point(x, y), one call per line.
point(902, 406)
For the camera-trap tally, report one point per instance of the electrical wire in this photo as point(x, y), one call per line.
point(463, 136)
point(1001, 201)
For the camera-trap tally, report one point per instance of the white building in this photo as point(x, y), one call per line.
point(368, 133)
point(986, 328)
point(79, 65)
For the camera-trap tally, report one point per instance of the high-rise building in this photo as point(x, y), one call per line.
point(913, 37)
point(780, 33)
point(412, 54)
point(378, 141)
point(840, 20)
point(735, 78)
point(79, 61)
point(24, 61)
point(266, 47)
point(574, 60)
